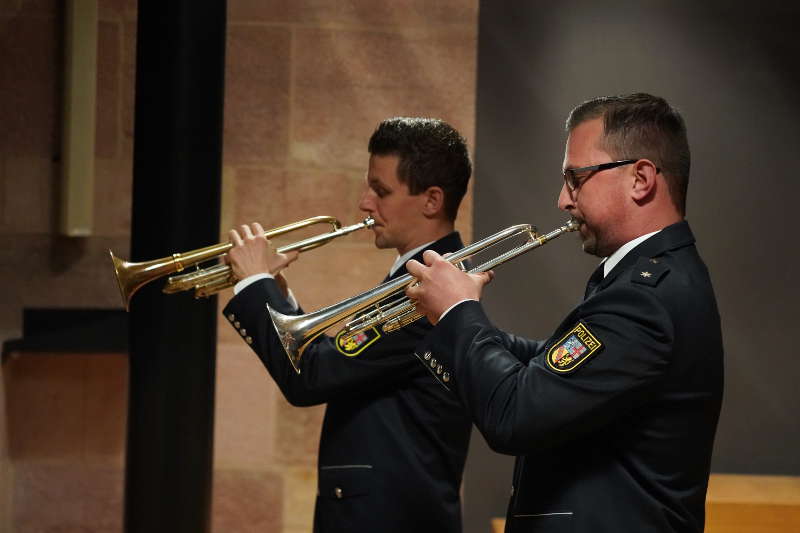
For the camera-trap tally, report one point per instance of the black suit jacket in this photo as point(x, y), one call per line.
point(394, 440)
point(613, 417)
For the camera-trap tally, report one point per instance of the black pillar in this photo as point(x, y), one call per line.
point(176, 203)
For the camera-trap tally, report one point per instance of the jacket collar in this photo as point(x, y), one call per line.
point(449, 243)
point(672, 237)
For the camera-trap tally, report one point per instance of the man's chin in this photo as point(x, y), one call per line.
point(589, 244)
point(381, 243)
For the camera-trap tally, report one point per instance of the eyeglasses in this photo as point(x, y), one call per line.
point(575, 177)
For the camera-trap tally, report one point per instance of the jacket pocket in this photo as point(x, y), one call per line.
point(340, 482)
point(541, 523)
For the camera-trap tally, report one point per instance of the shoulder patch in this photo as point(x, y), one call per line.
point(352, 344)
point(578, 345)
point(649, 271)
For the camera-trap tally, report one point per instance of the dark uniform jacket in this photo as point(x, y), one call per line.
point(613, 417)
point(394, 440)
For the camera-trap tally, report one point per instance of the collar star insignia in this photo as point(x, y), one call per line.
point(646, 274)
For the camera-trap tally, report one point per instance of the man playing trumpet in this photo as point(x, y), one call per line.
point(394, 441)
point(612, 418)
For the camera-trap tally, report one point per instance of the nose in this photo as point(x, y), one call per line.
point(367, 202)
point(565, 200)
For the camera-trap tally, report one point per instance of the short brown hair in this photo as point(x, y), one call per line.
point(431, 152)
point(641, 125)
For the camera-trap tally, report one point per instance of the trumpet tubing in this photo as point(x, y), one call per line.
point(296, 332)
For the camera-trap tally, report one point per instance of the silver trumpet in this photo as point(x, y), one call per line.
point(392, 309)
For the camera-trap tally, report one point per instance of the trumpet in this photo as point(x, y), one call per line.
point(131, 276)
point(392, 309)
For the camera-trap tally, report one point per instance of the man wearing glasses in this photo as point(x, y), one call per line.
point(612, 418)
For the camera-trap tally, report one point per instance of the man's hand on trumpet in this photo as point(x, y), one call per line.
point(253, 254)
point(442, 285)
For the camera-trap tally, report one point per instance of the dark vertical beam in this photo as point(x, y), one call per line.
point(176, 204)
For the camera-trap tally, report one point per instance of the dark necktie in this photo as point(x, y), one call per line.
point(594, 281)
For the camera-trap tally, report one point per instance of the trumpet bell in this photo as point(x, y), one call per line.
point(291, 336)
point(132, 276)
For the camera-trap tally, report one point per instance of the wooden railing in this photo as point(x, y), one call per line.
point(743, 504)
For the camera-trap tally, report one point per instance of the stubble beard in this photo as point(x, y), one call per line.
point(591, 242)
point(587, 236)
point(594, 245)
point(381, 242)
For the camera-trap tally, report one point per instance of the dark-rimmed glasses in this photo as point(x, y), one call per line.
point(575, 177)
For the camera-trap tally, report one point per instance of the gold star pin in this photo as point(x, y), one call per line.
point(646, 274)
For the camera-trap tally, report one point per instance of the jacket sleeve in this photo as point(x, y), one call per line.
point(521, 404)
point(325, 372)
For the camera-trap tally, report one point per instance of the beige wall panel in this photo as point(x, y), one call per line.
point(298, 508)
point(260, 196)
point(113, 189)
point(332, 128)
point(344, 88)
point(28, 196)
point(297, 431)
point(256, 94)
point(244, 424)
point(247, 501)
point(45, 395)
point(338, 271)
point(67, 497)
point(66, 406)
point(282, 11)
point(410, 13)
point(58, 272)
point(28, 81)
point(105, 406)
point(418, 58)
point(108, 111)
point(277, 197)
point(128, 85)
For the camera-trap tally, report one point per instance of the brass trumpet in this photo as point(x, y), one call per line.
point(132, 276)
point(393, 309)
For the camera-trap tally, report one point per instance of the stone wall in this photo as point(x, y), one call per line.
point(307, 81)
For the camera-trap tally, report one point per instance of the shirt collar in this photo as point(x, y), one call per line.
point(611, 261)
point(401, 259)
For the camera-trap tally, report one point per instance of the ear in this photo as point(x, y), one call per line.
point(644, 180)
point(434, 201)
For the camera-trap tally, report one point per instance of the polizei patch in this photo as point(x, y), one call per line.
point(352, 344)
point(573, 349)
